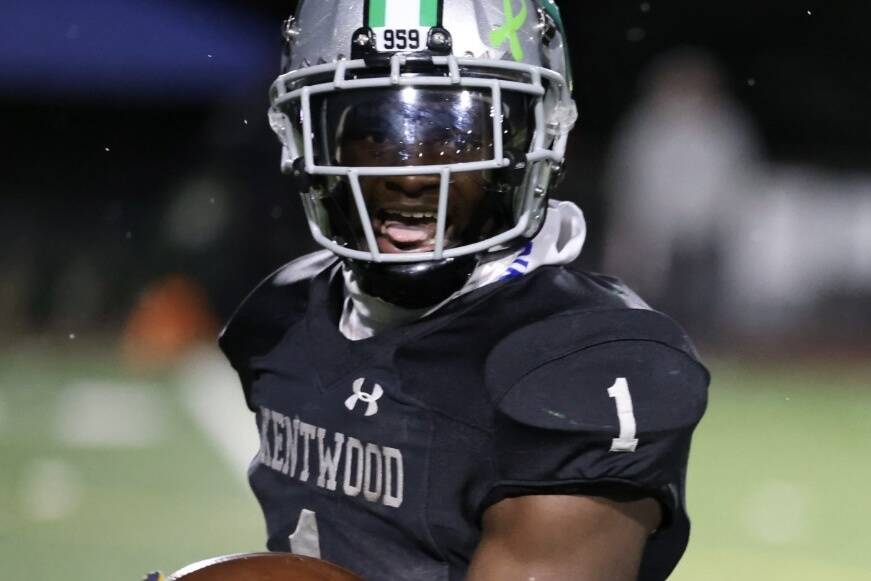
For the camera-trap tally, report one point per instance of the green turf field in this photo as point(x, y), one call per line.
point(777, 480)
point(132, 508)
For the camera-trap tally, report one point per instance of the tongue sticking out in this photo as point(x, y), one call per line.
point(405, 231)
point(407, 234)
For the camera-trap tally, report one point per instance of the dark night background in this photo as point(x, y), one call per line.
point(94, 156)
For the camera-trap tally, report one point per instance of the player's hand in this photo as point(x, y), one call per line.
point(260, 567)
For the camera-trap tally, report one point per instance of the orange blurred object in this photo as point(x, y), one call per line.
point(171, 317)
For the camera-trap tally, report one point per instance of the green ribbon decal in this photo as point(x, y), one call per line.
point(509, 30)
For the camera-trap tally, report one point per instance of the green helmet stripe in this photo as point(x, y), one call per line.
point(552, 9)
point(429, 13)
point(377, 13)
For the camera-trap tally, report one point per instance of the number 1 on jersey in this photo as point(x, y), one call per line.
point(626, 442)
point(305, 540)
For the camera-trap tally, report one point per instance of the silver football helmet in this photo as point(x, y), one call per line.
point(423, 130)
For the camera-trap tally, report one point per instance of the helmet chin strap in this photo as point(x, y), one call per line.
point(413, 285)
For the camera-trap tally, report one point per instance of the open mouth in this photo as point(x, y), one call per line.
point(406, 229)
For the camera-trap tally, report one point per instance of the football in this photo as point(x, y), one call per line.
point(261, 567)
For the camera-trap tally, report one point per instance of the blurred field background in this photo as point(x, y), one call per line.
point(138, 481)
point(722, 160)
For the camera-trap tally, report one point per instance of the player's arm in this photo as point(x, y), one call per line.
point(563, 538)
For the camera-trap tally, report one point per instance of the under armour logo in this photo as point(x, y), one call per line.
point(371, 399)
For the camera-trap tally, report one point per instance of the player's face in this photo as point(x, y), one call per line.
point(404, 209)
point(415, 128)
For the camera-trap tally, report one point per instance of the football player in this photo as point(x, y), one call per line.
point(439, 395)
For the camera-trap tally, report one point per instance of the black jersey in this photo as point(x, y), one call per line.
point(382, 455)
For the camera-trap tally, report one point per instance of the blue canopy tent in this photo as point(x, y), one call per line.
point(139, 49)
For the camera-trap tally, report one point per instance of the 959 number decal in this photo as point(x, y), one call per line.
point(399, 39)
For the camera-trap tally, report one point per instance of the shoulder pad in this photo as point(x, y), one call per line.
point(665, 388)
point(559, 336)
point(615, 413)
point(270, 310)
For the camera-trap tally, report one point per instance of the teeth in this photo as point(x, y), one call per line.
point(418, 215)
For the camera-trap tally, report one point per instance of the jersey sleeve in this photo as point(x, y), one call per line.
point(598, 405)
point(267, 313)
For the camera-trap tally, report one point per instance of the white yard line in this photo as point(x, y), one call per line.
point(212, 395)
point(50, 490)
point(103, 414)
